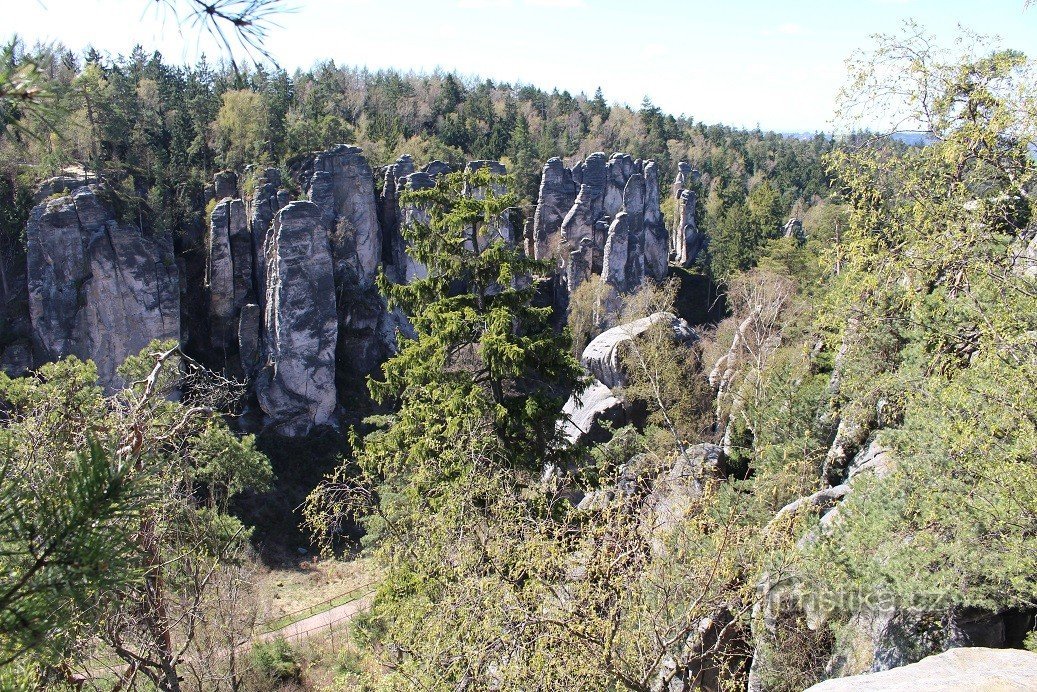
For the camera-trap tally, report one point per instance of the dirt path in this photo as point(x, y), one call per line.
point(327, 621)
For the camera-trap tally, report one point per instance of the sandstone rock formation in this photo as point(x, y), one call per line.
point(583, 416)
point(266, 200)
point(604, 189)
point(296, 387)
point(656, 239)
point(342, 187)
point(956, 670)
point(687, 241)
point(98, 288)
point(557, 195)
point(228, 270)
point(603, 355)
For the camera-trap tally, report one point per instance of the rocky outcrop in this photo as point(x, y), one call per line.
point(604, 189)
point(794, 229)
point(98, 288)
point(267, 198)
point(688, 242)
point(617, 254)
point(584, 416)
point(656, 239)
point(228, 271)
point(556, 198)
point(296, 386)
point(394, 246)
point(603, 355)
point(956, 670)
point(342, 187)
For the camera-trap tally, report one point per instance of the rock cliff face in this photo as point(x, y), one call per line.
point(686, 241)
point(605, 191)
point(271, 283)
point(98, 288)
point(296, 386)
point(557, 195)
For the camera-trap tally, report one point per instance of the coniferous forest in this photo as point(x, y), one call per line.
point(344, 379)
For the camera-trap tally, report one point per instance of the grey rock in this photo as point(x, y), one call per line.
point(225, 184)
point(957, 670)
point(603, 355)
point(617, 253)
point(634, 207)
point(266, 200)
point(394, 246)
point(674, 491)
point(578, 268)
point(98, 289)
point(556, 198)
point(578, 223)
point(437, 168)
point(687, 241)
point(228, 270)
point(618, 170)
point(656, 239)
point(411, 214)
point(794, 229)
point(250, 325)
point(584, 414)
point(342, 187)
point(296, 386)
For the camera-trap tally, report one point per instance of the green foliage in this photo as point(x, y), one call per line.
point(275, 660)
point(936, 347)
point(114, 518)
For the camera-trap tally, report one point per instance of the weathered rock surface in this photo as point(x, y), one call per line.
point(342, 187)
point(584, 415)
point(675, 490)
point(617, 253)
point(267, 199)
point(603, 355)
point(656, 238)
point(225, 184)
point(394, 246)
point(688, 242)
point(556, 198)
point(98, 289)
point(228, 270)
point(634, 207)
point(958, 670)
point(296, 387)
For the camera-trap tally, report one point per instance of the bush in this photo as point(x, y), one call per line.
point(275, 661)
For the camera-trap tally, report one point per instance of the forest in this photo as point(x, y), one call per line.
point(502, 388)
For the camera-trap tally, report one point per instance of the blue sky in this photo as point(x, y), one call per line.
point(741, 62)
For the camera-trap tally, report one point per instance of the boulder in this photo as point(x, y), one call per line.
point(225, 184)
point(556, 198)
point(958, 670)
point(296, 386)
point(98, 288)
point(603, 355)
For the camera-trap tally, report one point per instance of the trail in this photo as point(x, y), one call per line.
point(323, 621)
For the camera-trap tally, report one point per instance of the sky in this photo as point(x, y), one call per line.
point(774, 64)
